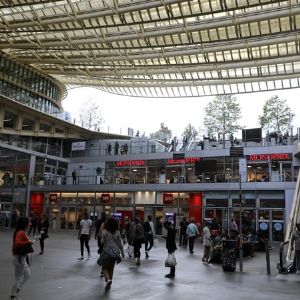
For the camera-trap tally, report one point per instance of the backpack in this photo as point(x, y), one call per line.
point(147, 227)
point(139, 232)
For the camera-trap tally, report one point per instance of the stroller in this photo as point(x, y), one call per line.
point(229, 255)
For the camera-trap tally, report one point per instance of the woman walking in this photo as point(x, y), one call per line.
point(112, 246)
point(170, 245)
point(43, 226)
point(22, 272)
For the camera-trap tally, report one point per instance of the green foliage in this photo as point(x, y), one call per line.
point(189, 132)
point(277, 115)
point(163, 134)
point(222, 115)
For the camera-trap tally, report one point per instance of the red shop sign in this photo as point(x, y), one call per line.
point(273, 156)
point(167, 198)
point(53, 197)
point(105, 198)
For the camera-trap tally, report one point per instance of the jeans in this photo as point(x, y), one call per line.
point(182, 239)
point(84, 240)
point(191, 243)
point(148, 241)
point(22, 273)
point(297, 255)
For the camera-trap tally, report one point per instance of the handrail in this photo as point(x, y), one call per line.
point(293, 220)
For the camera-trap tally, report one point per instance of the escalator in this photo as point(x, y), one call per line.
point(286, 255)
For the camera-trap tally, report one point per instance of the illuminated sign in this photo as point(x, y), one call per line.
point(105, 198)
point(274, 156)
point(188, 160)
point(167, 198)
point(127, 163)
point(53, 197)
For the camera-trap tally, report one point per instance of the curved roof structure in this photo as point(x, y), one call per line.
point(157, 48)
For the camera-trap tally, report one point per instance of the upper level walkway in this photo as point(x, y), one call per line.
point(57, 275)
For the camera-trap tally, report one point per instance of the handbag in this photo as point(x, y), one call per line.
point(24, 250)
point(170, 260)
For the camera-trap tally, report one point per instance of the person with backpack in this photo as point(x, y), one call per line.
point(149, 235)
point(138, 239)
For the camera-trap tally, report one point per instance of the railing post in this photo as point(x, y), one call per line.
point(267, 248)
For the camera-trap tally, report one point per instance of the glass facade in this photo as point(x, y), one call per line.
point(27, 86)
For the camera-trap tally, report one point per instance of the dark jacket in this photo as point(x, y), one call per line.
point(170, 240)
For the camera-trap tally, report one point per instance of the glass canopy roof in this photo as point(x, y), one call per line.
point(157, 48)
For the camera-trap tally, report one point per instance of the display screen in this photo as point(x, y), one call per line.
point(252, 135)
point(206, 166)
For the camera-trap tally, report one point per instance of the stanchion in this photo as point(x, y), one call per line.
point(267, 248)
point(241, 254)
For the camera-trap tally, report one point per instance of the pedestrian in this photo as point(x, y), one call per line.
point(170, 245)
point(43, 226)
point(22, 272)
point(112, 248)
point(206, 242)
point(192, 232)
point(296, 240)
point(33, 223)
point(182, 234)
point(149, 235)
point(137, 236)
point(98, 233)
point(84, 234)
point(74, 176)
point(233, 228)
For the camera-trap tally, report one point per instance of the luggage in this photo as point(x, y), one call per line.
point(229, 255)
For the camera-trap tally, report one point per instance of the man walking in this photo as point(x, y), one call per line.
point(192, 232)
point(84, 234)
point(149, 235)
point(182, 236)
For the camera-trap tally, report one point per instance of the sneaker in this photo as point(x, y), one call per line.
point(171, 276)
point(147, 254)
point(80, 258)
point(108, 285)
point(41, 253)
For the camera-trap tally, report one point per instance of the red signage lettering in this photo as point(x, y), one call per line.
point(188, 160)
point(105, 198)
point(167, 198)
point(127, 163)
point(53, 197)
point(274, 156)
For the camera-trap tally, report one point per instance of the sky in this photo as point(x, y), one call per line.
point(146, 114)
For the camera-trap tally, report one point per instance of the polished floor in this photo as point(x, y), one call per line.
point(58, 275)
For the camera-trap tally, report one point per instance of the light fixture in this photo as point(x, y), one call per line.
point(134, 170)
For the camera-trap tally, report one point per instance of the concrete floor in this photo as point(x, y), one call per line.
point(57, 275)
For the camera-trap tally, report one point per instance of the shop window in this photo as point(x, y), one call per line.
point(272, 203)
point(216, 202)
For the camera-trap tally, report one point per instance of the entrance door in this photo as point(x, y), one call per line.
point(5, 214)
point(277, 225)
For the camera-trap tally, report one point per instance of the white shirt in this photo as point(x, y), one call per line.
point(85, 226)
point(206, 236)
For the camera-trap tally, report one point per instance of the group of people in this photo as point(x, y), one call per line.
point(111, 237)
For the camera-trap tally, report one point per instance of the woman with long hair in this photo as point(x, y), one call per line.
point(22, 272)
point(112, 247)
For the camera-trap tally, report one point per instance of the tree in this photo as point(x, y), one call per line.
point(163, 134)
point(277, 115)
point(222, 114)
point(90, 115)
point(189, 132)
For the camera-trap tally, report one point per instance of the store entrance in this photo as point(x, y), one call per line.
point(5, 214)
point(271, 224)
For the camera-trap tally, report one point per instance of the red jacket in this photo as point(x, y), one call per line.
point(21, 239)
